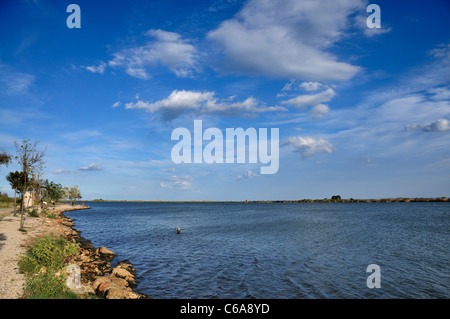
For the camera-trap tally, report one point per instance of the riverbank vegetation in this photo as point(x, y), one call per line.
point(44, 265)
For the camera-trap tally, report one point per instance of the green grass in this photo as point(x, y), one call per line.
point(44, 267)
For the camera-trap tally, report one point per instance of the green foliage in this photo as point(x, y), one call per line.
point(5, 158)
point(47, 285)
point(53, 191)
point(49, 252)
point(43, 265)
point(33, 212)
point(5, 200)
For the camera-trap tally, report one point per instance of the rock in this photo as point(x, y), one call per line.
point(84, 289)
point(106, 251)
point(126, 264)
point(125, 274)
point(110, 287)
point(100, 280)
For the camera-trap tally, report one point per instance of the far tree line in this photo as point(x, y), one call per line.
point(31, 160)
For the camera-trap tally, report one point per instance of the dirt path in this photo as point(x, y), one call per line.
point(14, 242)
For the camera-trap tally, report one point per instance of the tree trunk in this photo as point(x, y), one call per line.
point(15, 191)
point(22, 219)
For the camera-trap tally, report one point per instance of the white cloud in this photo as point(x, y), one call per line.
point(170, 170)
point(303, 101)
point(310, 86)
point(90, 167)
point(319, 111)
point(61, 171)
point(440, 93)
point(440, 125)
point(15, 83)
point(180, 102)
point(96, 69)
point(117, 104)
point(361, 23)
point(308, 146)
point(286, 39)
point(315, 101)
point(167, 49)
point(178, 182)
point(441, 51)
point(247, 175)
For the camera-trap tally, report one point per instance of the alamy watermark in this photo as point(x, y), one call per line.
point(237, 146)
point(374, 279)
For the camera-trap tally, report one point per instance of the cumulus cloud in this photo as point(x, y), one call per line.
point(90, 167)
point(308, 146)
point(180, 102)
point(286, 39)
point(440, 125)
point(166, 48)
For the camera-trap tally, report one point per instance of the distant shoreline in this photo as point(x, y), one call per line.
point(325, 200)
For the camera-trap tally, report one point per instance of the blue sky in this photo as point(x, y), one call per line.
point(361, 112)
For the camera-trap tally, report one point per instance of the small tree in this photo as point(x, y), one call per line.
point(31, 160)
point(73, 194)
point(52, 191)
point(16, 180)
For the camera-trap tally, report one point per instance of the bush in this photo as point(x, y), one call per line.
point(47, 285)
point(43, 263)
point(33, 213)
point(49, 252)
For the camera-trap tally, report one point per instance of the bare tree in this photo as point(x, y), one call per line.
point(31, 160)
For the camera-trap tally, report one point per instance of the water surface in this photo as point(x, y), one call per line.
point(276, 250)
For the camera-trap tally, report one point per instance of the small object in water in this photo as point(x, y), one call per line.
point(178, 230)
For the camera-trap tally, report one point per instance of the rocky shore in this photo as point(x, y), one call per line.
point(97, 276)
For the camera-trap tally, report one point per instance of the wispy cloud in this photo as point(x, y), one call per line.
point(61, 171)
point(90, 167)
point(15, 83)
point(96, 68)
point(117, 104)
point(247, 175)
point(166, 48)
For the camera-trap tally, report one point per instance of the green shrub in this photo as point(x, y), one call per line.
point(49, 252)
point(43, 263)
point(33, 213)
point(47, 285)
